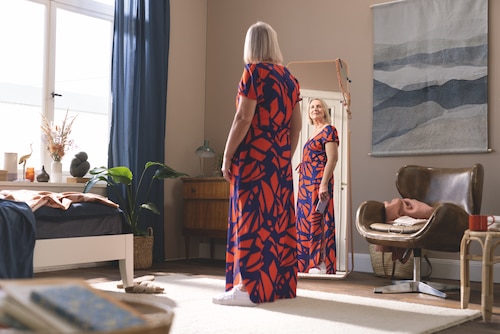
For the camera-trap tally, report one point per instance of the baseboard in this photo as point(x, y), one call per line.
point(441, 268)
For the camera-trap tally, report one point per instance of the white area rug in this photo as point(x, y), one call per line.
point(311, 312)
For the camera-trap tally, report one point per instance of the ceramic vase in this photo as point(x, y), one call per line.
point(43, 176)
point(56, 172)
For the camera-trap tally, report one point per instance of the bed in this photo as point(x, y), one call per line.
point(83, 232)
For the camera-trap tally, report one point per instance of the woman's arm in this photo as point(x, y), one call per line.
point(239, 128)
point(295, 127)
point(331, 150)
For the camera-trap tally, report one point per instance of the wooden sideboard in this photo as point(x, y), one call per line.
point(206, 207)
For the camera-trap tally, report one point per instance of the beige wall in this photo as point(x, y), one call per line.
point(185, 108)
point(308, 30)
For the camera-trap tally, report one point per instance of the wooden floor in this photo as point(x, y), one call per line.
point(360, 284)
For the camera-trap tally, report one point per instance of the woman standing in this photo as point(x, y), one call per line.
point(261, 261)
point(316, 249)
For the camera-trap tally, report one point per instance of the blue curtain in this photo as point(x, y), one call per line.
point(139, 92)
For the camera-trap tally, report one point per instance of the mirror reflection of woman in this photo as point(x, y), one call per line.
point(316, 248)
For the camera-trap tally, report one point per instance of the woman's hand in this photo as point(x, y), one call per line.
point(239, 128)
point(323, 193)
point(226, 169)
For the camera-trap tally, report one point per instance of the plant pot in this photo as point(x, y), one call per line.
point(143, 250)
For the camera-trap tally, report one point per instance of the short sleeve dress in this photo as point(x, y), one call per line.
point(315, 228)
point(262, 236)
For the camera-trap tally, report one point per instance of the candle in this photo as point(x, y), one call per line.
point(10, 162)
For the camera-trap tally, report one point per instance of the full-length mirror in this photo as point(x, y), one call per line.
point(328, 80)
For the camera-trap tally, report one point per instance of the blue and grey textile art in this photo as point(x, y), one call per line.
point(430, 74)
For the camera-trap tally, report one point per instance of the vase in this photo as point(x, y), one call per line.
point(43, 176)
point(56, 172)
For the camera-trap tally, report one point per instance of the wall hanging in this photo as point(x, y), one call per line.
point(430, 74)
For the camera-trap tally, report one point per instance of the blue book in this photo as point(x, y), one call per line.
point(87, 309)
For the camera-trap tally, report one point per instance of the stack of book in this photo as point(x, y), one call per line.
point(64, 307)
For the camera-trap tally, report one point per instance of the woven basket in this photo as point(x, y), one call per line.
point(383, 265)
point(143, 250)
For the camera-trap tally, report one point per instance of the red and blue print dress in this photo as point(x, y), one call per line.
point(262, 236)
point(310, 226)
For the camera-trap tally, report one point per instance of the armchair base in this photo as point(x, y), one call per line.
point(415, 284)
point(433, 289)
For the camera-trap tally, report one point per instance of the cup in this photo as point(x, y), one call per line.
point(480, 222)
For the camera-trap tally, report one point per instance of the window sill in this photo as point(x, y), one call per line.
point(49, 186)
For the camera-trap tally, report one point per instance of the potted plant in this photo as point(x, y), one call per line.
point(132, 201)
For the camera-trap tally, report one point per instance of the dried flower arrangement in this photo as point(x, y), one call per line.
point(57, 137)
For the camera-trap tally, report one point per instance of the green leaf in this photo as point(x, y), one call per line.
point(151, 207)
point(121, 174)
point(167, 173)
point(90, 183)
point(98, 170)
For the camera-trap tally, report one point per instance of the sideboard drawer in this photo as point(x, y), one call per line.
point(206, 208)
point(206, 215)
point(213, 189)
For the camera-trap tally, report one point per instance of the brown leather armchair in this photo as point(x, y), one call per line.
point(454, 193)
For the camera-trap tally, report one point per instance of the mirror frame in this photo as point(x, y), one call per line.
point(323, 82)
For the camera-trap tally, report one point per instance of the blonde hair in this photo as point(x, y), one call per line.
point(326, 114)
point(261, 45)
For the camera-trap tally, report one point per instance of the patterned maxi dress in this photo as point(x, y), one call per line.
point(262, 235)
point(310, 227)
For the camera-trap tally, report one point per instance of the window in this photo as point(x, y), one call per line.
point(58, 60)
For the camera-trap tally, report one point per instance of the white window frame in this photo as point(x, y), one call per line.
point(85, 7)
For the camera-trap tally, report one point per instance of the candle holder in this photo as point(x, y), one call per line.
point(30, 174)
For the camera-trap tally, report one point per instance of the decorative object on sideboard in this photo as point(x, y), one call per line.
point(56, 138)
point(79, 165)
point(43, 176)
point(56, 171)
point(30, 174)
point(129, 201)
point(10, 165)
point(24, 159)
point(204, 152)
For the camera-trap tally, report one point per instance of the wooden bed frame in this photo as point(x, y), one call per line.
point(71, 251)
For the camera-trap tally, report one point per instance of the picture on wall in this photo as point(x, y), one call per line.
point(430, 76)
